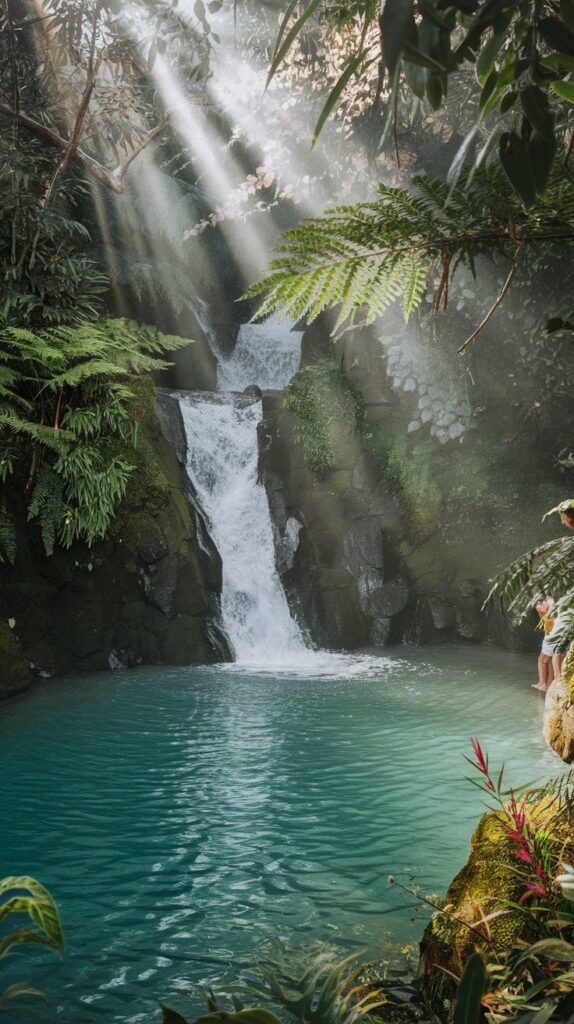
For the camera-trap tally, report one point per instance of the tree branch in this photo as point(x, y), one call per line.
point(495, 304)
point(111, 179)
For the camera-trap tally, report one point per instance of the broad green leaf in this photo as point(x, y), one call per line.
point(40, 906)
point(487, 56)
point(557, 35)
point(23, 936)
point(282, 50)
point(508, 101)
point(537, 109)
point(397, 26)
point(554, 949)
point(353, 64)
point(434, 91)
point(488, 88)
point(416, 76)
point(470, 991)
point(514, 159)
point(565, 90)
point(541, 157)
point(559, 62)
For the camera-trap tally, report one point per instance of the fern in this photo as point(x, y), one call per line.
point(69, 419)
point(363, 258)
point(47, 505)
point(548, 569)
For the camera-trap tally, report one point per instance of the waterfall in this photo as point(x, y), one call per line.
point(265, 354)
point(222, 462)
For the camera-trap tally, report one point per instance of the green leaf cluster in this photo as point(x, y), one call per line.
point(547, 569)
point(24, 895)
point(323, 993)
point(69, 420)
point(522, 55)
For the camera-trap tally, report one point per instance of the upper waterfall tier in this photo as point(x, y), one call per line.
point(222, 458)
point(265, 354)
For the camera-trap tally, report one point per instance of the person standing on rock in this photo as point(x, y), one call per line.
point(545, 666)
point(554, 646)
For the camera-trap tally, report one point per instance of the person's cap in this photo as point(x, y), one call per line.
point(564, 506)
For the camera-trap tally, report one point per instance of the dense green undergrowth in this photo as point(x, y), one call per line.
point(69, 418)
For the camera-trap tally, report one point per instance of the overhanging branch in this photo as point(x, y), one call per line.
point(114, 179)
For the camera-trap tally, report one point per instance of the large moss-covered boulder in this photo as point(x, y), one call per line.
point(475, 913)
point(486, 882)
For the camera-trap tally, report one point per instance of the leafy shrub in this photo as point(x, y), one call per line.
point(69, 419)
point(323, 993)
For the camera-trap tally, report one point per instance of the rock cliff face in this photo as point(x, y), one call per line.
point(148, 594)
point(336, 541)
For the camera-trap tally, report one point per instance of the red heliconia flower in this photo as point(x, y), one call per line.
point(481, 762)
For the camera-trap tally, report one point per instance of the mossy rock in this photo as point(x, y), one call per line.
point(15, 674)
point(488, 882)
point(485, 884)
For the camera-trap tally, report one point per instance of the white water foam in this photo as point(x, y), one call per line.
point(265, 354)
point(222, 462)
point(223, 456)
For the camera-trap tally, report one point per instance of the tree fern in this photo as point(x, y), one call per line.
point(548, 569)
point(363, 258)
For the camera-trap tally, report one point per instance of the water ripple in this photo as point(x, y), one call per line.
point(183, 817)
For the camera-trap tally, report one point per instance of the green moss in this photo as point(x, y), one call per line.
point(340, 481)
point(329, 415)
point(484, 888)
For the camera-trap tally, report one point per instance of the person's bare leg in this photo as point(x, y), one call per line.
point(545, 668)
point(557, 660)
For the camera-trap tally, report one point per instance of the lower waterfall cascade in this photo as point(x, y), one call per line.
point(222, 462)
point(221, 432)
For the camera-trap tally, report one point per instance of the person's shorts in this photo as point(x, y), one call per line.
point(550, 647)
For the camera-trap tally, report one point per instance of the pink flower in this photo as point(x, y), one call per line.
point(482, 762)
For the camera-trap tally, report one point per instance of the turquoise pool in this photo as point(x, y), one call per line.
point(184, 818)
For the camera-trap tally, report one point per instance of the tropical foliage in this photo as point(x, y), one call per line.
point(522, 55)
point(25, 896)
point(547, 569)
point(68, 422)
point(532, 979)
point(364, 257)
point(323, 992)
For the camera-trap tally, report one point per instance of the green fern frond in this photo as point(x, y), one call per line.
point(548, 569)
point(363, 258)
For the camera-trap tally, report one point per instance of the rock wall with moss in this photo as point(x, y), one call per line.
point(456, 491)
point(148, 594)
